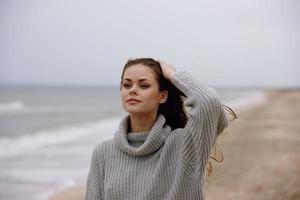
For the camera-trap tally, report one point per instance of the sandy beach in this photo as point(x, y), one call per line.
point(261, 154)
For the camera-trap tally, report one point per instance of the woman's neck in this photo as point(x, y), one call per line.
point(141, 123)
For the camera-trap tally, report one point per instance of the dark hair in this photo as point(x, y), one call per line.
point(174, 102)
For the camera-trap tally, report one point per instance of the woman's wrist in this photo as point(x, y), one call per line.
point(171, 75)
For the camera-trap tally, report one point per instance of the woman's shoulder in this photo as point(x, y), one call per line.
point(176, 134)
point(104, 146)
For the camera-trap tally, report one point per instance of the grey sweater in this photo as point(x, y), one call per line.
point(160, 164)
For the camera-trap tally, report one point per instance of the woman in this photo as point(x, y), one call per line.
point(158, 152)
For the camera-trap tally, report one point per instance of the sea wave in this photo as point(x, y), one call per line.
point(247, 99)
point(27, 143)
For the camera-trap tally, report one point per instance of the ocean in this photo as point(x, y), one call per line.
point(47, 134)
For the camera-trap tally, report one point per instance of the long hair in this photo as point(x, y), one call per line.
point(174, 102)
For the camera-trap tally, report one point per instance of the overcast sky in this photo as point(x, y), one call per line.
point(87, 42)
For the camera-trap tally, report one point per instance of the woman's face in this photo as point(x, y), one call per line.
point(140, 90)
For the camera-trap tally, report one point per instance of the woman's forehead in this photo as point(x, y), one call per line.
point(139, 72)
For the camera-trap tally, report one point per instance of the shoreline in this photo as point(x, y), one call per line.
point(250, 168)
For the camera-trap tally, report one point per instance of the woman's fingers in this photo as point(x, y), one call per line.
point(167, 69)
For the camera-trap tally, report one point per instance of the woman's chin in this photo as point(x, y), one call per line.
point(135, 111)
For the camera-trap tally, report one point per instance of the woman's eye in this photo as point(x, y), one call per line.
point(126, 85)
point(144, 86)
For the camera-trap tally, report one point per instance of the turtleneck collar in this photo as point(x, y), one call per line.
point(137, 137)
point(152, 140)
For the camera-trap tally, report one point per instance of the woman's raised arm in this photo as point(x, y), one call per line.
point(207, 117)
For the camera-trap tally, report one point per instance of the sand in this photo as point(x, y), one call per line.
point(261, 154)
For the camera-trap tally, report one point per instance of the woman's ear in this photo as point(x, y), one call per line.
point(163, 96)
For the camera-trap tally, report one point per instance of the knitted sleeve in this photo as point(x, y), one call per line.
point(94, 187)
point(207, 120)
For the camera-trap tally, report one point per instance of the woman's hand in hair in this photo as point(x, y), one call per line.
point(168, 70)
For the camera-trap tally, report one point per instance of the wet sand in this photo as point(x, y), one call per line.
point(261, 154)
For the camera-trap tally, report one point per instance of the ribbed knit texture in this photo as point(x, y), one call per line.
point(160, 164)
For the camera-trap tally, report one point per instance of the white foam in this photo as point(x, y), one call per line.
point(66, 184)
point(11, 106)
point(247, 100)
point(15, 146)
point(19, 107)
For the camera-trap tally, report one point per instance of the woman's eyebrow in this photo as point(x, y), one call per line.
point(140, 80)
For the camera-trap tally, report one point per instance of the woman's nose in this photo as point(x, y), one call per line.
point(132, 90)
point(132, 93)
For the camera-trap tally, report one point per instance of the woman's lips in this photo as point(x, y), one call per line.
point(133, 101)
